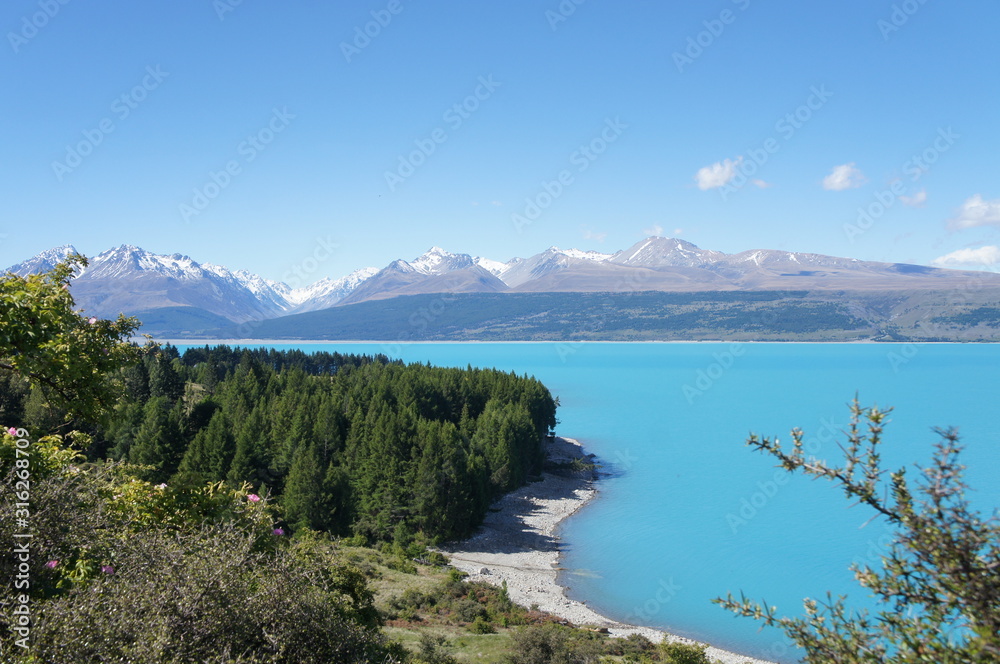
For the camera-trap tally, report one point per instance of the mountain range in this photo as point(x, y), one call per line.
point(174, 294)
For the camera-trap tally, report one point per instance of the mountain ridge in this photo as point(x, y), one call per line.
point(137, 282)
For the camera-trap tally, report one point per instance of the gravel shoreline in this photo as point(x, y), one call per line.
point(517, 544)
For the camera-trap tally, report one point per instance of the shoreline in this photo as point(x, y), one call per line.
point(286, 342)
point(517, 543)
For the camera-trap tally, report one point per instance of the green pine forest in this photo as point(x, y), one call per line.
point(350, 445)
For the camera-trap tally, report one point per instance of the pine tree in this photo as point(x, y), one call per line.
point(303, 495)
point(163, 379)
point(210, 454)
point(441, 487)
point(252, 452)
point(158, 441)
point(123, 429)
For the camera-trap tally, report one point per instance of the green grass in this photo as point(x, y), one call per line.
point(438, 617)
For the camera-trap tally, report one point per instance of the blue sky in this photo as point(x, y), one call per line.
point(256, 135)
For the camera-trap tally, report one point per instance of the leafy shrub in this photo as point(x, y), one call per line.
point(550, 643)
point(482, 626)
point(468, 610)
point(684, 653)
point(225, 590)
point(434, 650)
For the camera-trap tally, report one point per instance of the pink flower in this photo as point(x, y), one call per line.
point(107, 569)
point(92, 320)
point(12, 431)
point(278, 531)
point(161, 486)
point(253, 498)
point(52, 564)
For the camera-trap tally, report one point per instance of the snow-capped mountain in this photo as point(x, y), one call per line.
point(176, 294)
point(132, 280)
point(658, 252)
point(438, 261)
point(328, 292)
point(434, 271)
point(496, 268)
point(551, 260)
point(44, 261)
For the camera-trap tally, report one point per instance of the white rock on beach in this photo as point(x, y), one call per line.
point(517, 544)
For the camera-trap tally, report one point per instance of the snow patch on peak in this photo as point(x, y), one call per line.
point(496, 268)
point(327, 292)
point(44, 261)
point(595, 256)
point(438, 261)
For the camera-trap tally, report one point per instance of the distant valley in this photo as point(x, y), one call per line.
point(658, 289)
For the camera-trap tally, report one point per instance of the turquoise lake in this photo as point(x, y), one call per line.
point(687, 511)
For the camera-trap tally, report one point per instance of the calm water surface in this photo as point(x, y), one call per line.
point(688, 512)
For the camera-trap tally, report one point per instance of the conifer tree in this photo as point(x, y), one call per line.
point(303, 495)
point(210, 454)
point(163, 378)
point(158, 441)
point(251, 457)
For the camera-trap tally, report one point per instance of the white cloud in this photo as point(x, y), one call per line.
point(916, 200)
point(983, 256)
point(977, 212)
point(760, 184)
point(678, 232)
point(845, 176)
point(718, 174)
point(591, 235)
point(655, 229)
point(497, 203)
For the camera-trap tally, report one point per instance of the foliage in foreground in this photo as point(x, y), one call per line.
point(939, 589)
point(201, 578)
point(74, 360)
point(527, 636)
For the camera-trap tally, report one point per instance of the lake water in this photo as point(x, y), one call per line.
point(688, 511)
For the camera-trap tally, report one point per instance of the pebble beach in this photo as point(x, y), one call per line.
point(517, 544)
